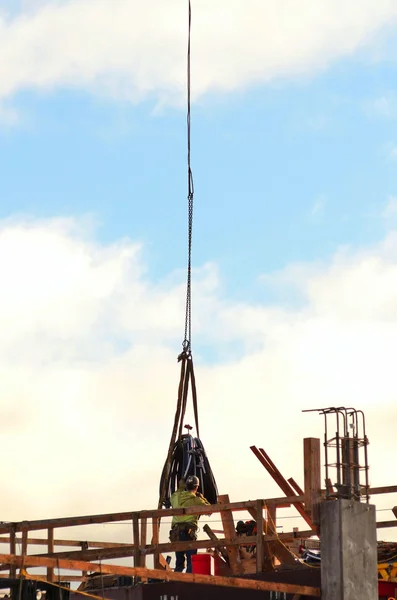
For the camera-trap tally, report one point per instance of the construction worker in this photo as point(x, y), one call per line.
point(184, 527)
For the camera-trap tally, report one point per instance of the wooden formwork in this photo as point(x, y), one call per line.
point(85, 557)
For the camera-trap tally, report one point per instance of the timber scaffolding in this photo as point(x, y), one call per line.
point(236, 569)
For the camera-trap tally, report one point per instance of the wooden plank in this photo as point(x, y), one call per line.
point(394, 510)
point(117, 552)
point(24, 545)
point(13, 571)
point(272, 518)
point(282, 553)
point(64, 543)
point(50, 548)
point(216, 508)
point(271, 468)
point(155, 540)
point(135, 530)
point(230, 532)
point(202, 544)
point(385, 524)
point(126, 550)
point(330, 487)
point(312, 476)
point(242, 583)
point(211, 534)
point(387, 489)
point(142, 541)
point(149, 514)
point(295, 486)
point(163, 563)
point(260, 551)
point(24, 548)
point(291, 535)
point(268, 562)
point(84, 546)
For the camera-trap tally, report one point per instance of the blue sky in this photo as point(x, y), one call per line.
point(294, 155)
point(283, 172)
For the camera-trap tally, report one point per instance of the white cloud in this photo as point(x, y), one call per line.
point(390, 210)
point(8, 116)
point(318, 206)
point(88, 371)
point(384, 106)
point(133, 50)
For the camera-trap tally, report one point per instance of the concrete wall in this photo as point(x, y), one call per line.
point(348, 551)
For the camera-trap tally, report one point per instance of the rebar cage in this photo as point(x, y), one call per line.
point(346, 453)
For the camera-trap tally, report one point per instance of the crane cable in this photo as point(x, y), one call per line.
point(190, 196)
point(187, 369)
point(187, 378)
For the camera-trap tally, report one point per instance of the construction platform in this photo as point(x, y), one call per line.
point(267, 565)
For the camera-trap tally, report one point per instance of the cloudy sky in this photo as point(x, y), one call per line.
point(294, 154)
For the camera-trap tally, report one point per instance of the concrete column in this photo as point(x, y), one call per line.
point(348, 551)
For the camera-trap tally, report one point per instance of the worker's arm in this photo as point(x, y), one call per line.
point(204, 500)
point(200, 500)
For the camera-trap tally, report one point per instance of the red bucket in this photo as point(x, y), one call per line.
point(201, 564)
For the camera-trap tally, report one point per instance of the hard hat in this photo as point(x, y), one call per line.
point(192, 481)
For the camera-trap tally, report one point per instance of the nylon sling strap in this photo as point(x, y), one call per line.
point(187, 379)
point(167, 466)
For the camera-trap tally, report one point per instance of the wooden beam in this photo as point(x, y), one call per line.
point(149, 514)
point(117, 552)
point(268, 554)
point(271, 468)
point(163, 563)
point(211, 534)
point(272, 518)
point(24, 548)
point(142, 542)
point(330, 487)
point(387, 489)
point(126, 550)
point(155, 540)
point(215, 508)
point(312, 475)
point(260, 549)
point(230, 532)
point(135, 530)
point(84, 546)
point(385, 524)
point(395, 511)
point(24, 545)
point(282, 553)
point(295, 486)
point(13, 571)
point(50, 548)
point(64, 543)
point(242, 583)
